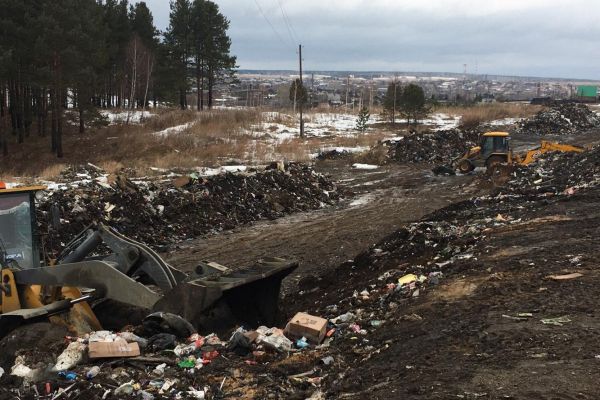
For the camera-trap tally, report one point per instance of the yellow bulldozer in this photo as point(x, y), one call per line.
point(495, 148)
point(100, 264)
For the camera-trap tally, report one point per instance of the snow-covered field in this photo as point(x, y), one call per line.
point(133, 116)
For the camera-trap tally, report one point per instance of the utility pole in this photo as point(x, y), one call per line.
point(301, 92)
point(347, 90)
point(395, 93)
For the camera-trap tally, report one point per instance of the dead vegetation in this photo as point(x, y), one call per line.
point(472, 116)
point(210, 138)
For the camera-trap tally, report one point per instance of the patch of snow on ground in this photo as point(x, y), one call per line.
point(504, 122)
point(352, 150)
point(364, 166)
point(362, 200)
point(135, 116)
point(173, 129)
point(442, 121)
point(206, 171)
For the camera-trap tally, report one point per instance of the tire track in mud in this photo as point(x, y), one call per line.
point(325, 238)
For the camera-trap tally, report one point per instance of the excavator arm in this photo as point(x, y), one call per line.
point(546, 147)
point(213, 296)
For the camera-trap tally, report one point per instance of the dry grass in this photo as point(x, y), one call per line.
point(472, 116)
point(215, 138)
point(111, 166)
point(377, 156)
point(52, 171)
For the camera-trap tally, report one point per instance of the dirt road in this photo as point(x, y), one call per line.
point(379, 201)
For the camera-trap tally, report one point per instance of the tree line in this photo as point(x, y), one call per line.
point(84, 55)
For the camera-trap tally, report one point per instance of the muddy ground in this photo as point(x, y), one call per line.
point(470, 341)
point(377, 203)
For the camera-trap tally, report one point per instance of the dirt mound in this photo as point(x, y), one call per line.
point(160, 213)
point(560, 119)
point(432, 147)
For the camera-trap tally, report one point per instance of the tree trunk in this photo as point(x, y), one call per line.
point(3, 127)
point(81, 121)
point(53, 133)
point(150, 67)
point(44, 110)
point(182, 98)
point(202, 87)
point(211, 84)
point(198, 92)
point(59, 106)
point(27, 110)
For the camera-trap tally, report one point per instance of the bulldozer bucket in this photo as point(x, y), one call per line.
point(216, 298)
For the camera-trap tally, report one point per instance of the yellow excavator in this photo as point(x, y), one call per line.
point(100, 264)
point(494, 149)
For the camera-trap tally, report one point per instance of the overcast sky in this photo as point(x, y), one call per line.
point(550, 38)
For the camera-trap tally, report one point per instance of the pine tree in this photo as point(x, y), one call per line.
point(413, 104)
point(298, 93)
point(363, 120)
point(117, 23)
point(216, 49)
point(178, 40)
point(142, 23)
point(145, 42)
point(391, 101)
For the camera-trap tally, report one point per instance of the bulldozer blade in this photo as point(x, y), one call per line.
point(219, 301)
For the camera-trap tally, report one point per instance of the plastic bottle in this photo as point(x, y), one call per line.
point(92, 372)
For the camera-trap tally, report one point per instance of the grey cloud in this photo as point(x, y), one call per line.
point(554, 41)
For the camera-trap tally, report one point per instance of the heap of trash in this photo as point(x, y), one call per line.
point(431, 147)
point(160, 212)
point(560, 118)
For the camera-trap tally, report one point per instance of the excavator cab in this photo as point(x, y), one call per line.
point(18, 229)
point(494, 148)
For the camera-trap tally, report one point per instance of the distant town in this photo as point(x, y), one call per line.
point(355, 89)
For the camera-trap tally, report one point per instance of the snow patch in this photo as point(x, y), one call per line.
point(362, 200)
point(134, 116)
point(364, 166)
point(173, 129)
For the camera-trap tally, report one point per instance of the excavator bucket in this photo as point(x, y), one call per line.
point(220, 298)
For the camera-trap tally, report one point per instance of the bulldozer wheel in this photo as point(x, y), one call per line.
point(465, 166)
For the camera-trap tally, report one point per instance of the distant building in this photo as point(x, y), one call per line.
point(587, 93)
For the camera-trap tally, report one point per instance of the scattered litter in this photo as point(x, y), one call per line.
point(118, 348)
point(73, 355)
point(565, 277)
point(308, 326)
point(406, 279)
point(273, 338)
point(559, 321)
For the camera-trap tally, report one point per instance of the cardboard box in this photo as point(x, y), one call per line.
point(311, 327)
point(116, 349)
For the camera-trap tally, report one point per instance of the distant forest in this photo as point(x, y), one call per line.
point(86, 54)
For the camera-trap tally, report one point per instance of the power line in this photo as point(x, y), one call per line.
point(288, 24)
point(269, 22)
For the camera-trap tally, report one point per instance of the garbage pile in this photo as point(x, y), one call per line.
point(400, 270)
point(165, 358)
point(161, 212)
point(334, 154)
point(560, 119)
point(433, 147)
